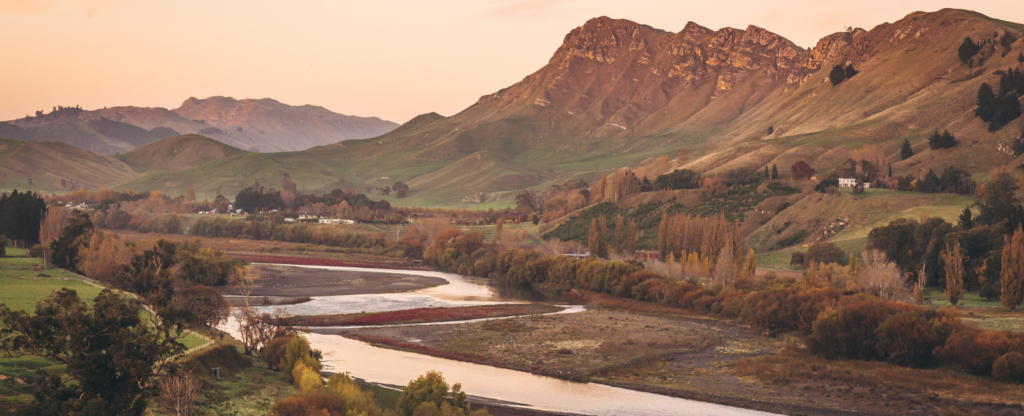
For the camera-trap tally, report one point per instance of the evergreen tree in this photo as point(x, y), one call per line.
point(766, 174)
point(906, 152)
point(890, 171)
point(775, 172)
point(966, 218)
point(65, 248)
point(986, 101)
point(941, 141)
point(967, 50)
point(850, 72)
point(837, 75)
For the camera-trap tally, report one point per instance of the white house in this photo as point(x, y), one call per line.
point(850, 183)
point(336, 221)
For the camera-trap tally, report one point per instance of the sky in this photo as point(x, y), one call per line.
point(386, 58)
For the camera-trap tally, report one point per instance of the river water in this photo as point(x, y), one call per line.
point(385, 366)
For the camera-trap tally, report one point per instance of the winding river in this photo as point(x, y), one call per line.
point(385, 366)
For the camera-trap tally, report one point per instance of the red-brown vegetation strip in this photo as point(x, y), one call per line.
point(312, 261)
point(423, 315)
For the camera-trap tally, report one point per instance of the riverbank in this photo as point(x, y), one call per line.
point(422, 315)
point(283, 281)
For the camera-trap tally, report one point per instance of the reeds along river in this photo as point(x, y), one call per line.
point(380, 365)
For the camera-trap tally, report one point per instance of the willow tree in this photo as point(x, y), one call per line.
point(954, 260)
point(1012, 278)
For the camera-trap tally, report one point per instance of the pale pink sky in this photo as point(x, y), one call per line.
point(387, 58)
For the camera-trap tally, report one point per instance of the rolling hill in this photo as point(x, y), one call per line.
point(617, 93)
point(177, 153)
point(262, 125)
point(54, 167)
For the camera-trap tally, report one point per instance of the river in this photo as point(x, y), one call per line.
point(386, 366)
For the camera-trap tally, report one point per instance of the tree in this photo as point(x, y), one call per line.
point(837, 75)
point(890, 171)
point(3, 245)
point(597, 241)
point(953, 258)
point(1012, 277)
point(906, 152)
point(179, 392)
point(431, 389)
point(775, 171)
point(941, 141)
point(1001, 201)
point(400, 188)
point(825, 252)
point(967, 50)
point(986, 103)
point(203, 306)
point(21, 215)
point(801, 170)
point(65, 249)
point(766, 174)
point(288, 191)
point(110, 353)
point(966, 221)
point(849, 71)
point(524, 201)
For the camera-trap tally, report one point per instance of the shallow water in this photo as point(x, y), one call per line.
point(381, 365)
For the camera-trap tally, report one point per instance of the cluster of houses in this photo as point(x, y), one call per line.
point(851, 182)
point(319, 219)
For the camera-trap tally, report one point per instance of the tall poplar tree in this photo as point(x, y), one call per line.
point(954, 260)
point(1012, 278)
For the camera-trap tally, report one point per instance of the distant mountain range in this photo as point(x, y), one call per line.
point(617, 93)
point(263, 125)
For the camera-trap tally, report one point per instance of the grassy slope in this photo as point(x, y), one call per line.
point(177, 153)
point(46, 163)
point(22, 289)
point(876, 207)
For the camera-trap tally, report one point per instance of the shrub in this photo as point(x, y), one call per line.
point(323, 403)
point(973, 351)
point(796, 259)
point(1009, 368)
point(906, 340)
point(850, 331)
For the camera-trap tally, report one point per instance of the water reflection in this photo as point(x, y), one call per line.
point(387, 366)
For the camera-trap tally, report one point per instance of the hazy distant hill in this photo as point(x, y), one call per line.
point(258, 125)
point(618, 92)
point(47, 166)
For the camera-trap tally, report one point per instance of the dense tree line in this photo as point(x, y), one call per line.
point(999, 108)
point(262, 228)
point(21, 215)
point(917, 246)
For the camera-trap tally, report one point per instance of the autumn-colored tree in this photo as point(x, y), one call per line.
point(597, 240)
point(751, 268)
point(104, 257)
point(725, 269)
point(288, 191)
point(1012, 277)
point(620, 233)
point(631, 238)
point(953, 258)
point(53, 224)
point(801, 170)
